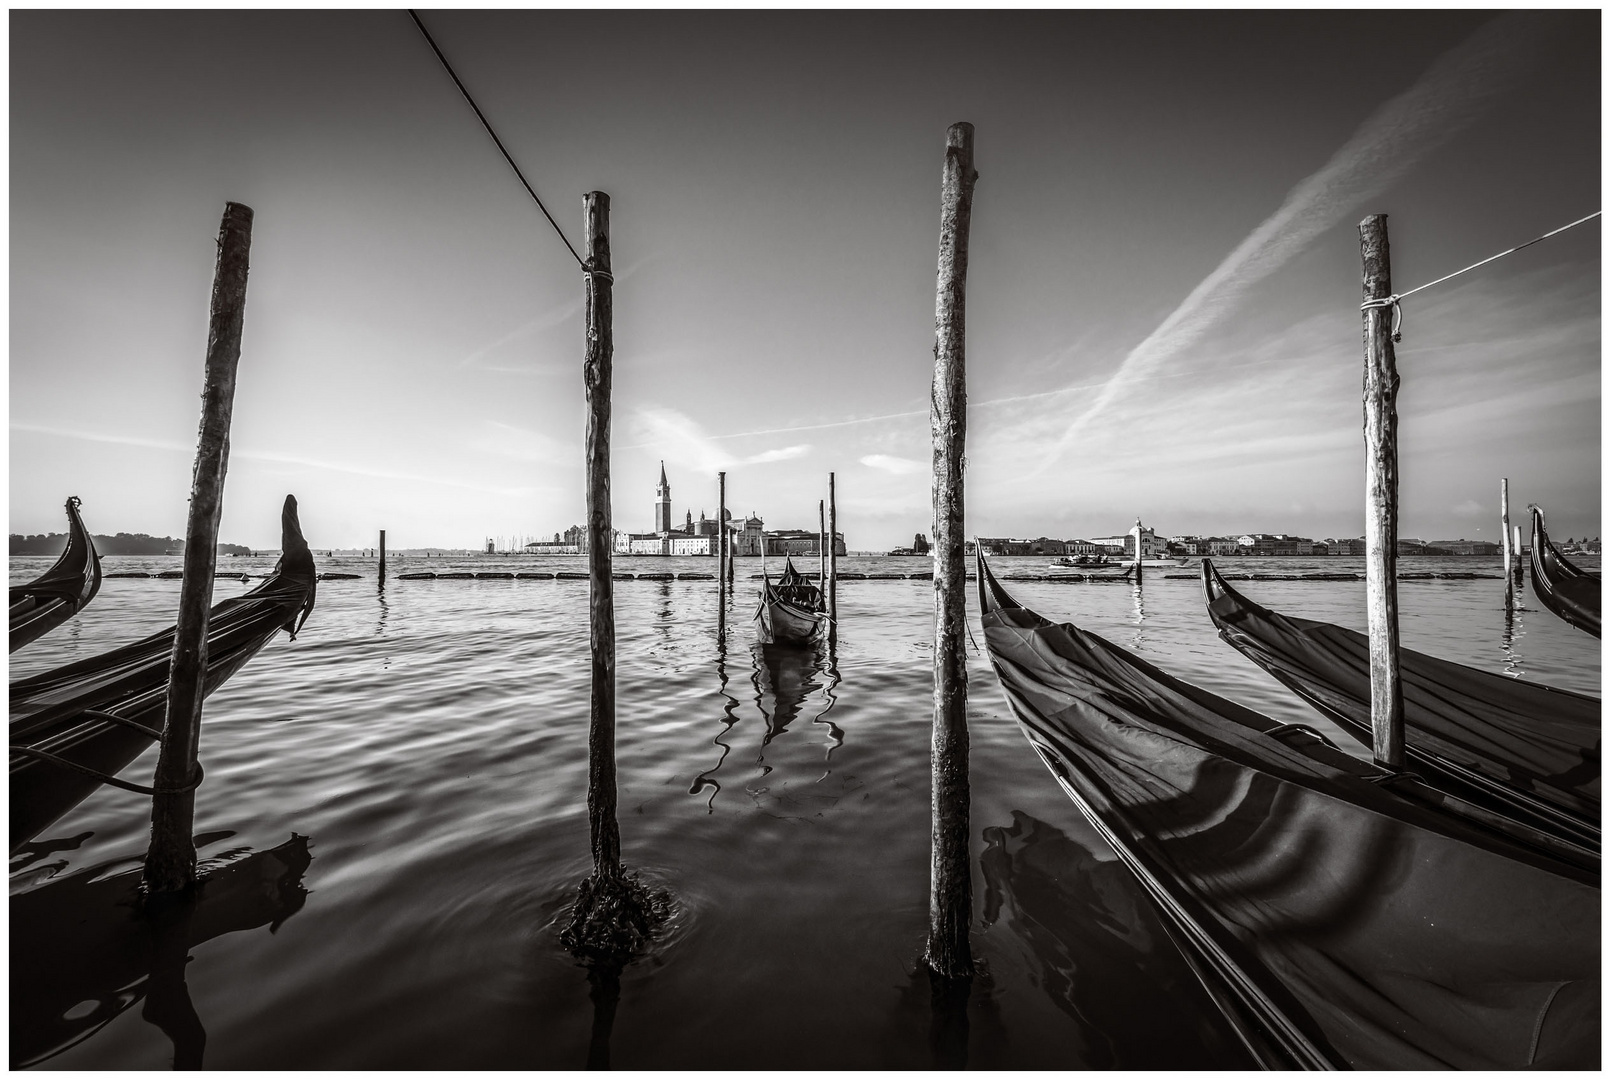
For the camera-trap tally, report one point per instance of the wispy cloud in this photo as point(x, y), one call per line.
point(684, 441)
point(239, 453)
point(889, 463)
point(1393, 140)
point(523, 444)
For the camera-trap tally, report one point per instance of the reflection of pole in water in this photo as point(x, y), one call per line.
point(604, 990)
point(1514, 629)
point(836, 734)
point(167, 997)
point(730, 715)
point(1138, 596)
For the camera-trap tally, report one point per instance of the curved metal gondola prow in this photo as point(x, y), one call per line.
point(992, 597)
point(296, 561)
point(1567, 590)
point(1214, 585)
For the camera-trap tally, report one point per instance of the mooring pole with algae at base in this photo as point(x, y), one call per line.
point(950, 882)
point(1381, 495)
point(1504, 535)
point(833, 563)
point(603, 831)
point(170, 864)
point(723, 552)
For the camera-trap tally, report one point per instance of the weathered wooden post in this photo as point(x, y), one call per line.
point(382, 574)
point(603, 829)
point(723, 552)
point(1138, 551)
point(822, 552)
point(614, 913)
point(170, 864)
point(1381, 494)
point(1504, 534)
point(833, 562)
point(1516, 546)
point(949, 955)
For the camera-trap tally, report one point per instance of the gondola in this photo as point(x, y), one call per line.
point(60, 592)
point(790, 612)
point(75, 727)
point(1337, 915)
point(1528, 751)
point(1569, 592)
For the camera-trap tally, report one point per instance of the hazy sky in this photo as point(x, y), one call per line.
point(1162, 303)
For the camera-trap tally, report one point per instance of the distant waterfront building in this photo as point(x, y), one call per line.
point(1462, 547)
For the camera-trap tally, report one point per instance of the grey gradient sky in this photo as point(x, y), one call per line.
point(1162, 303)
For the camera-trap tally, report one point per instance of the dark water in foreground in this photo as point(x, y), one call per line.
point(430, 742)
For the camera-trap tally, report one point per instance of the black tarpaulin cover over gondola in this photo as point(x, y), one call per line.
point(1338, 923)
point(1533, 739)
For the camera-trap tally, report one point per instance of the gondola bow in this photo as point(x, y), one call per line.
point(60, 592)
point(1568, 591)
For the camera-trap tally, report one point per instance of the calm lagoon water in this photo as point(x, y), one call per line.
point(430, 741)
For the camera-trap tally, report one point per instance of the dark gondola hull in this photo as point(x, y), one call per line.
point(790, 612)
point(1529, 751)
point(1337, 923)
point(60, 592)
point(1569, 592)
point(55, 712)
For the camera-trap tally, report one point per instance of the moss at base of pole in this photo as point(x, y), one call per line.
point(615, 918)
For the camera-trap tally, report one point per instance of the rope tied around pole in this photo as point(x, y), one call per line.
point(1392, 301)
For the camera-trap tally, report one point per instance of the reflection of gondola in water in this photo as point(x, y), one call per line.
point(784, 678)
point(83, 951)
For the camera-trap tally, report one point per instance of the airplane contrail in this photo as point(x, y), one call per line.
point(1391, 141)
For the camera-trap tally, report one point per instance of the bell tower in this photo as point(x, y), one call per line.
point(662, 503)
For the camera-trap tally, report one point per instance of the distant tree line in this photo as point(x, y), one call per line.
point(121, 544)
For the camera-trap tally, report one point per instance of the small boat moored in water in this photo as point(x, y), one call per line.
point(1568, 591)
point(1526, 751)
point(60, 592)
point(790, 612)
point(1338, 916)
point(75, 727)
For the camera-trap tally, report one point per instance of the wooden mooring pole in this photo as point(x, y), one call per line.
point(1381, 496)
point(604, 831)
point(833, 563)
point(950, 882)
point(723, 552)
point(822, 548)
point(1504, 535)
point(1516, 546)
point(170, 865)
point(382, 574)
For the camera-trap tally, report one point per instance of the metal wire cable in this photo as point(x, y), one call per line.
point(1393, 299)
point(499, 142)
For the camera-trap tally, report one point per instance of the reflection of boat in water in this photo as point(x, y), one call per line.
point(790, 612)
point(1569, 592)
point(1102, 956)
point(75, 727)
point(1528, 752)
point(83, 951)
point(1339, 916)
point(61, 592)
point(784, 678)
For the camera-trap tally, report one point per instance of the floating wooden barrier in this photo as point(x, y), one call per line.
point(494, 575)
point(127, 573)
point(572, 575)
point(657, 575)
point(696, 577)
point(457, 575)
point(541, 575)
point(426, 576)
point(324, 577)
point(622, 575)
point(171, 574)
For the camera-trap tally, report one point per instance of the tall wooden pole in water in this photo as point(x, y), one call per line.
point(822, 548)
point(833, 562)
point(383, 556)
point(603, 829)
point(950, 882)
point(1381, 495)
point(170, 864)
point(1504, 533)
point(723, 552)
point(1516, 546)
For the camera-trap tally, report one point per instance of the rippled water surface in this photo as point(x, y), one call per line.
point(430, 742)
